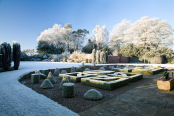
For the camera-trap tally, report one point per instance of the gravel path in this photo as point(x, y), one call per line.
point(16, 99)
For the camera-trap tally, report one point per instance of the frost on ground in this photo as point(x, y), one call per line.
point(17, 99)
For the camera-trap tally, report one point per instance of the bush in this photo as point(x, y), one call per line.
point(35, 78)
point(98, 57)
point(78, 56)
point(46, 84)
point(101, 68)
point(63, 72)
point(6, 55)
point(0, 60)
point(56, 72)
point(102, 57)
point(68, 90)
point(93, 55)
point(89, 47)
point(65, 79)
point(16, 55)
point(93, 94)
point(51, 78)
point(73, 69)
point(45, 47)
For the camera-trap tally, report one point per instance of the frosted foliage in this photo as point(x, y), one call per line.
point(100, 35)
point(151, 32)
point(73, 69)
point(93, 94)
point(65, 79)
point(56, 72)
point(46, 84)
point(98, 57)
point(87, 69)
point(102, 57)
point(56, 35)
point(51, 78)
point(63, 72)
point(93, 55)
point(118, 33)
point(101, 68)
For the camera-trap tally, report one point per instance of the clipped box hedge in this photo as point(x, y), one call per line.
point(132, 76)
point(99, 72)
point(75, 78)
point(147, 71)
point(121, 70)
point(110, 84)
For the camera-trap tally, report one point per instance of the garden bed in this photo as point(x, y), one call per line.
point(78, 103)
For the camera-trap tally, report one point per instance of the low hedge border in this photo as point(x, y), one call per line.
point(132, 76)
point(74, 78)
point(108, 85)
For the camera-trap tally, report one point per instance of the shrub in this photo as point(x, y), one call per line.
point(102, 57)
point(35, 78)
point(56, 72)
point(73, 69)
point(78, 56)
point(111, 67)
point(93, 94)
point(89, 47)
point(46, 84)
point(42, 76)
point(101, 68)
point(106, 53)
point(87, 69)
point(68, 90)
point(63, 72)
point(78, 69)
point(0, 60)
point(93, 55)
point(16, 55)
point(6, 55)
point(98, 57)
point(51, 78)
point(45, 72)
point(165, 76)
point(65, 79)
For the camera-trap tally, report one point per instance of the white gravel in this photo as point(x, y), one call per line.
point(18, 100)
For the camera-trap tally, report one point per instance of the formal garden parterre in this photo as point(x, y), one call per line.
point(105, 82)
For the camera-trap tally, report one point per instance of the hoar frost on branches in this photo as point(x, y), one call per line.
point(100, 36)
point(151, 32)
point(118, 34)
point(62, 37)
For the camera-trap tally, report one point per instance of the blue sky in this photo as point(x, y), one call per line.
point(24, 20)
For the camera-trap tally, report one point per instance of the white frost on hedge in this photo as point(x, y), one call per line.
point(46, 84)
point(51, 78)
point(63, 72)
point(56, 72)
point(93, 94)
point(87, 69)
point(68, 84)
point(73, 69)
point(101, 68)
point(38, 72)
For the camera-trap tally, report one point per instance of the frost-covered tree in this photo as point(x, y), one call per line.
point(59, 37)
point(100, 35)
point(118, 35)
point(52, 36)
point(150, 32)
point(78, 38)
